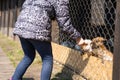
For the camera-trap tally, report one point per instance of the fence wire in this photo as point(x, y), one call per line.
point(92, 18)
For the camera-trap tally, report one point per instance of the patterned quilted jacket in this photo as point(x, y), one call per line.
point(34, 21)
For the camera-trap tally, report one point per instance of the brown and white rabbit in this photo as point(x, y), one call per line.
point(98, 49)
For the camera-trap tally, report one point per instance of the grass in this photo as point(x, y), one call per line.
point(13, 50)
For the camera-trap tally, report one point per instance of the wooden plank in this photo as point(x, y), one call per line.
point(91, 67)
point(0, 14)
point(0, 8)
point(6, 67)
point(116, 60)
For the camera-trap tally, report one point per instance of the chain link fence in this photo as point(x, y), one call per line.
point(92, 18)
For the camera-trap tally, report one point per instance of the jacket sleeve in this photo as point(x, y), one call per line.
point(63, 18)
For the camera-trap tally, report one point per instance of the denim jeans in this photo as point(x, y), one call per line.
point(45, 51)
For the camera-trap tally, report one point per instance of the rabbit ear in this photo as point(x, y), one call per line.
point(101, 39)
point(98, 39)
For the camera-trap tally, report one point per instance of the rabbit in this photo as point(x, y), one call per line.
point(98, 49)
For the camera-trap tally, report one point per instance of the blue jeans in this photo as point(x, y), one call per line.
point(45, 51)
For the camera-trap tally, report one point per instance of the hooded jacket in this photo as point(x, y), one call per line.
point(34, 20)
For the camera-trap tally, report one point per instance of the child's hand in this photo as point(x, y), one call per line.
point(85, 44)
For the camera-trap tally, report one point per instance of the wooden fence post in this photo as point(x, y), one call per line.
point(0, 14)
point(116, 60)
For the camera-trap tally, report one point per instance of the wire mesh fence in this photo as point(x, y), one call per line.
point(92, 18)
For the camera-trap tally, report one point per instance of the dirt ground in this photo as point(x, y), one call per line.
point(59, 73)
